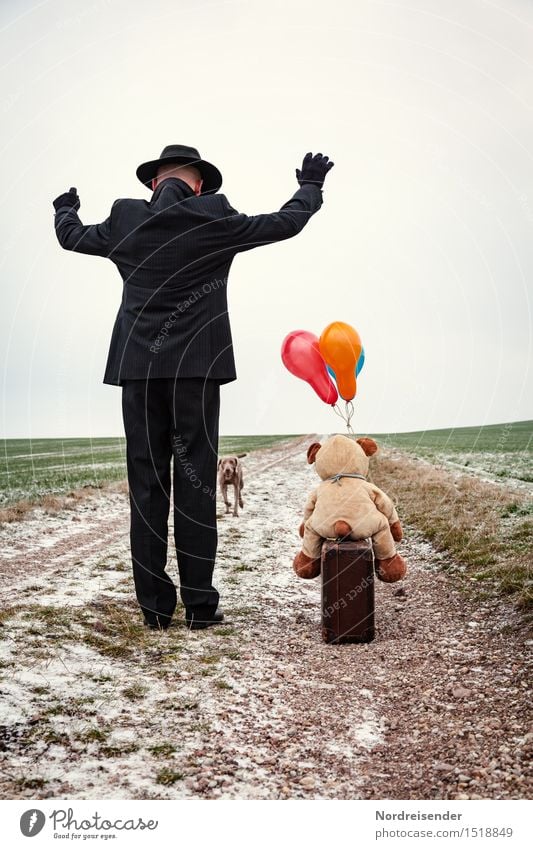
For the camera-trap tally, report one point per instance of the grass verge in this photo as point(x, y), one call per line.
point(487, 529)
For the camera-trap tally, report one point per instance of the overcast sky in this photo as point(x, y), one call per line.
point(424, 242)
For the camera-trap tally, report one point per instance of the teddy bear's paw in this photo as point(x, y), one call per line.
point(392, 569)
point(306, 567)
point(301, 529)
point(396, 531)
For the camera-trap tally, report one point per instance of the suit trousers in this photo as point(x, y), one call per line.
point(172, 422)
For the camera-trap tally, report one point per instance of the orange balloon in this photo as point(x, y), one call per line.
point(341, 346)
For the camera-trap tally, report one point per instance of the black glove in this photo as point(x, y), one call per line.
point(314, 169)
point(69, 198)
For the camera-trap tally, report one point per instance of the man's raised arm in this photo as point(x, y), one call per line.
point(249, 231)
point(94, 239)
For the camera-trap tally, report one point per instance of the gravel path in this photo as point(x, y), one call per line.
point(435, 707)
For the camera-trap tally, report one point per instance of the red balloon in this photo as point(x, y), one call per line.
point(301, 356)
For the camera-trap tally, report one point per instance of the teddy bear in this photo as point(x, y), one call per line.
point(346, 505)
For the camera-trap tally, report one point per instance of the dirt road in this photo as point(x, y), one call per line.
point(94, 706)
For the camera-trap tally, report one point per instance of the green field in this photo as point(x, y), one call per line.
point(510, 436)
point(32, 468)
point(498, 451)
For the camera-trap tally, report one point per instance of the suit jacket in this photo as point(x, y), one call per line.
point(174, 253)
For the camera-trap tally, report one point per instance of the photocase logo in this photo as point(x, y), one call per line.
point(32, 822)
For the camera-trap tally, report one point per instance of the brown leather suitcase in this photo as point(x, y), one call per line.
point(347, 591)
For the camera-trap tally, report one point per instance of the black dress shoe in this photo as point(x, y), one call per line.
point(156, 626)
point(194, 624)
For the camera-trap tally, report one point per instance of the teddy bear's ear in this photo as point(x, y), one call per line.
point(312, 451)
point(368, 445)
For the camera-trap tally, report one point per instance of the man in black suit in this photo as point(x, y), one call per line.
point(171, 349)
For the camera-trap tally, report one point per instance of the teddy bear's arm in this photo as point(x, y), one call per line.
point(308, 511)
point(385, 505)
point(310, 505)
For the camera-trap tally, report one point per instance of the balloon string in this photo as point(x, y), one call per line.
point(347, 415)
point(338, 412)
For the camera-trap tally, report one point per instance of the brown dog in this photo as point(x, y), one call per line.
point(230, 473)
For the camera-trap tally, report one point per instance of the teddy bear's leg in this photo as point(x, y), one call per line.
point(390, 566)
point(306, 564)
point(391, 569)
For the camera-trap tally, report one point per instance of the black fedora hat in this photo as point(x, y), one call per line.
point(181, 154)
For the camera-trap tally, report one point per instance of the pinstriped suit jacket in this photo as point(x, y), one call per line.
point(174, 253)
